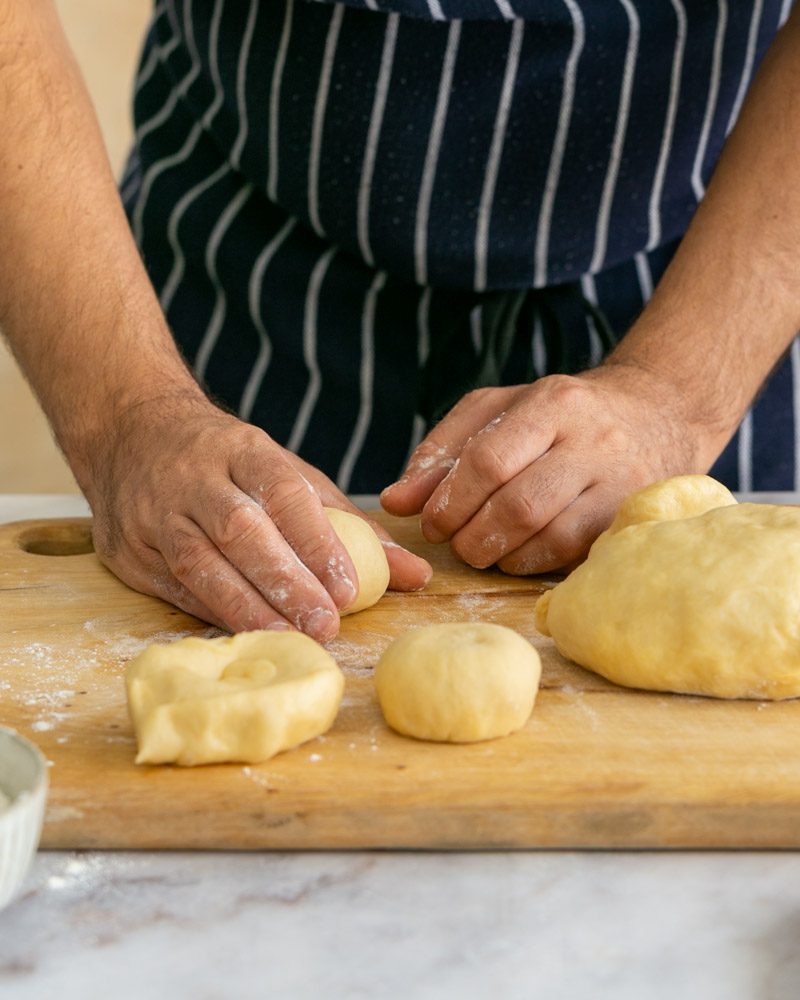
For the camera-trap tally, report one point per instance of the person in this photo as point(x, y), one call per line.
point(506, 260)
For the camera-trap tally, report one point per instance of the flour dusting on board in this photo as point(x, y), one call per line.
point(57, 678)
point(264, 779)
point(358, 658)
point(578, 701)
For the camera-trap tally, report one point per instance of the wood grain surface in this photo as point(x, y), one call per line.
point(597, 765)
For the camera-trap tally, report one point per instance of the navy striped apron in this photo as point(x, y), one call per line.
point(354, 211)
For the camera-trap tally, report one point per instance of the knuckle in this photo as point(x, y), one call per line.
point(488, 464)
point(188, 557)
point(561, 545)
point(282, 582)
point(234, 608)
point(521, 510)
point(316, 553)
point(247, 442)
point(615, 439)
point(285, 495)
point(476, 396)
point(238, 523)
point(566, 391)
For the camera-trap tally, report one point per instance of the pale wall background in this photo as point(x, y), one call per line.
point(106, 36)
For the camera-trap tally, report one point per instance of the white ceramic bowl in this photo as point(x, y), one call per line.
point(23, 780)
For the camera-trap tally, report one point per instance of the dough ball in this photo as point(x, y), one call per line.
point(671, 500)
point(688, 591)
point(364, 548)
point(241, 698)
point(458, 682)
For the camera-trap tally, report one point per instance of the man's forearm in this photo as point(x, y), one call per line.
point(729, 304)
point(75, 302)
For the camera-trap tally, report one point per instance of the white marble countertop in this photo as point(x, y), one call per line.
point(551, 925)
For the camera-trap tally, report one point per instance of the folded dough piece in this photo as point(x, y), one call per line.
point(687, 591)
point(241, 698)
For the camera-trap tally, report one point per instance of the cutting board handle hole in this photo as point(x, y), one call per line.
point(57, 540)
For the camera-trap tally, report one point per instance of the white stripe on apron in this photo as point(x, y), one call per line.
point(323, 89)
point(255, 286)
point(559, 144)
point(495, 153)
point(654, 210)
point(620, 130)
point(432, 154)
point(366, 375)
point(711, 104)
point(311, 315)
point(373, 135)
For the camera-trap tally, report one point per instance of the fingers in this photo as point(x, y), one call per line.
point(143, 569)
point(225, 524)
point(290, 503)
point(235, 531)
point(408, 572)
point(206, 572)
point(435, 457)
point(566, 539)
point(488, 462)
point(520, 510)
point(427, 467)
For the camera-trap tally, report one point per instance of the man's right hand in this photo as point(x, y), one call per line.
point(196, 507)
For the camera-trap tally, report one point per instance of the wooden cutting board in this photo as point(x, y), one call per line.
point(597, 765)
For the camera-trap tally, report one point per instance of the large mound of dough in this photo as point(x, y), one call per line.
point(458, 682)
point(365, 549)
point(687, 591)
point(241, 698)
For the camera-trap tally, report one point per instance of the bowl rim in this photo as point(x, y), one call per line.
point(24, 798)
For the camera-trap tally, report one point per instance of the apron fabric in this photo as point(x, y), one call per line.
point(352, 216)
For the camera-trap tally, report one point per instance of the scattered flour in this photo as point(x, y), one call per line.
point(479, 607)
point(358, 658)
point(578, 701)
point(263, 779)
point(57, 677)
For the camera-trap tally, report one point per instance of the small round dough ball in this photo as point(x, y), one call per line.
point(364, 548)
point(458, 682)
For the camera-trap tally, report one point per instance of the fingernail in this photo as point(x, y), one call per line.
point(342, 588)
point(278, 627)
point(402, 481)
point(320, 623)
point(343, 591)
